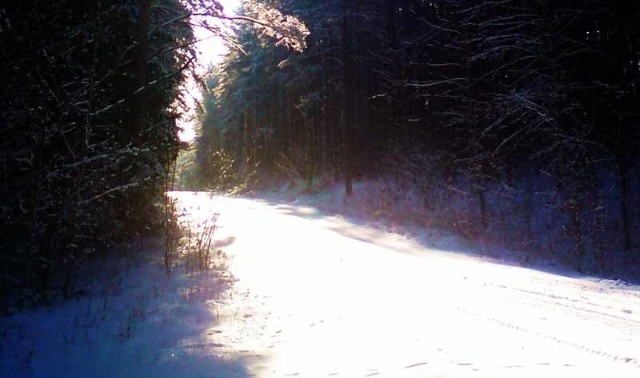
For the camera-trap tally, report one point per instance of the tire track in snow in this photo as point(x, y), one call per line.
point(635, 362)
point(587, 306)
point(566, 298)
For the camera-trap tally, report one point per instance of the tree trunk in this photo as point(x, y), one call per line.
point(623, 169)
point(347, 60)
point(141, 62)
point(482, 204)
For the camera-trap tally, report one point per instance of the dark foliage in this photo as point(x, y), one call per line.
point(88, 132)
point(538, 97)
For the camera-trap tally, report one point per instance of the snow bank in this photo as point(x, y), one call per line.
point(130, 320)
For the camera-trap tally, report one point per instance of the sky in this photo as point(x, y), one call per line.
point(211, 50)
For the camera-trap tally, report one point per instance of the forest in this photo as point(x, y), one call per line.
point(514, 121)
point(88, 111)
point(91, 106)
point(375, 188)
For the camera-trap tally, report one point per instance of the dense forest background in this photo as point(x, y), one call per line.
point(90, 108)
point(88, 111)
point(509, 121)
point(514, 121)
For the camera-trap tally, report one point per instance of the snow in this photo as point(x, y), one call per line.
point(304, 293)
point(132, 320)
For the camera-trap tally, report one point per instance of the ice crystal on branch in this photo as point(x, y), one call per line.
point(269, 22)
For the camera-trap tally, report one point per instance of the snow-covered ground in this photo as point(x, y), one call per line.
point(321, 296)
point(131, 320)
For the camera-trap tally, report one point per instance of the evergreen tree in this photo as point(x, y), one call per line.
point(87, 113)
point(480, 95)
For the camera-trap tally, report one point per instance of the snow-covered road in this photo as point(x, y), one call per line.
point(318, 296)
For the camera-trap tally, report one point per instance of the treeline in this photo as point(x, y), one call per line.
point(515, 121)
point(88, 108)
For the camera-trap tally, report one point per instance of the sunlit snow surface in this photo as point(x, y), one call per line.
point(318, 296)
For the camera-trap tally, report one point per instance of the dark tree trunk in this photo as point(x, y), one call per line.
point(141, 62)
point(347, 60)
point(623, 167)
point(482, 203)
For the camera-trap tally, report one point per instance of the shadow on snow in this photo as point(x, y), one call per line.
point(360, 228)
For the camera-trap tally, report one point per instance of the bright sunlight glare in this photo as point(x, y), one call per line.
point(211, 49)
point(319, 295)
